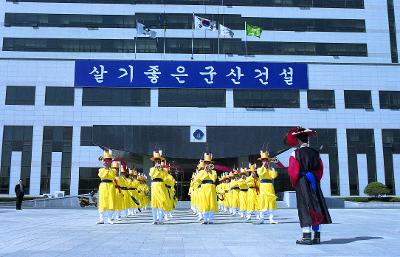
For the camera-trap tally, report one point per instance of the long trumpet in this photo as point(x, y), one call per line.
point(210, 166)
point(274, 160)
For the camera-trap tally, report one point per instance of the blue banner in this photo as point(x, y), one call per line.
point(190, 74)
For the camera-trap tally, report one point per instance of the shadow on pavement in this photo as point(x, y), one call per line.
point(339, 241)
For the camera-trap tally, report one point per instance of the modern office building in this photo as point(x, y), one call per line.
point(53, 128)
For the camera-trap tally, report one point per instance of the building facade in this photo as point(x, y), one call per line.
point(51, 131)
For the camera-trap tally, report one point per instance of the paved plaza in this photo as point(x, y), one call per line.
point(73, 232)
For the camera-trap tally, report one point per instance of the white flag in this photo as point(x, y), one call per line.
point(143, 30)
point(225, 31)
point(201, 23)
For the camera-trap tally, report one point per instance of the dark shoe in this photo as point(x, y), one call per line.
point(306, 240)
point(317, 238)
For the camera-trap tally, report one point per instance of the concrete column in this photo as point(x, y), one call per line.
point(154, 97)
point(76, 138)
point(362, 169)
point(40, 95)
point(380, 166)
point(326, 179)
point(303, 99)
point(55, 177)
point(15, 171)
point(3, 90)
point(343, 162)
point(37, 143)
point(229, 98)
point(78, 97)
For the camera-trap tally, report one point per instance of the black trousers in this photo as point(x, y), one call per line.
point(18, 203)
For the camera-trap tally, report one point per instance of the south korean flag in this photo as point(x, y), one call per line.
point(204, 24)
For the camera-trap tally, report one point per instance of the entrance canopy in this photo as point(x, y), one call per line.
point(221, 141)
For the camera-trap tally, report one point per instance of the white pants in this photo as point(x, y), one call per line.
point(209, 216)
point(248, 214)
point(105, 216)
point(117, 215)
point(160, 215)
point(266, 213)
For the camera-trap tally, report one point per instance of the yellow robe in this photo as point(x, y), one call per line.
point(243, 194)
point(159, 192)
point(228, 194)
point(208, 191)
point(267, 197)
point(235, 194)
point(133, 186)
point(220, 193)
point(119, 196)
point(252, 196)
point(106, 190)
point(170, 185)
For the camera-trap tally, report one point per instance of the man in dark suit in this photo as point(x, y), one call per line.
point(19, 192)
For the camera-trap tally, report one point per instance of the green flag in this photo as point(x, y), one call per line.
point(252, 30)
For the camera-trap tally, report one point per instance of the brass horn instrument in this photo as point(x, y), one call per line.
point(274, 160)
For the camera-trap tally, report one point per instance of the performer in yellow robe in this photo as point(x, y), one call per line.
point(226, 188)
point(228, 192)
point(159, 192)
point(243, 187)
point(143, 190)
point(221, 193)
point(170, 185)
point(119, 195)
point(133, 205)
point(124, 183)
point(196, 191)
point(235, 193)
point(267, 197)
point(106, 200)
point(252, 193)
point(207, 177)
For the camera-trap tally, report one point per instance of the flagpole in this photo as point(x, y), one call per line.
point(192, 34)
point(136, 38)
point(165, 29)
point(219, 26)
point(245, 32)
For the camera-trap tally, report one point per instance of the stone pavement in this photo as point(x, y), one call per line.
point(73, 232)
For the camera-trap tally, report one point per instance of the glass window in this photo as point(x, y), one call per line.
point(86, 136)
point(321, 99)
point(62, 96)
point(56, 139)
point(264, 98)
point(392, 31)
point(115, 97)
point(360, 141)
point(69, 20)
point(16, 138)
point(173, 45)
point(170, 97)
point(20, 95)
point(88, 180)
point(357, 99)
point(356, 4)
point(389, 99)
point(181, 21)
point(391, 145)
